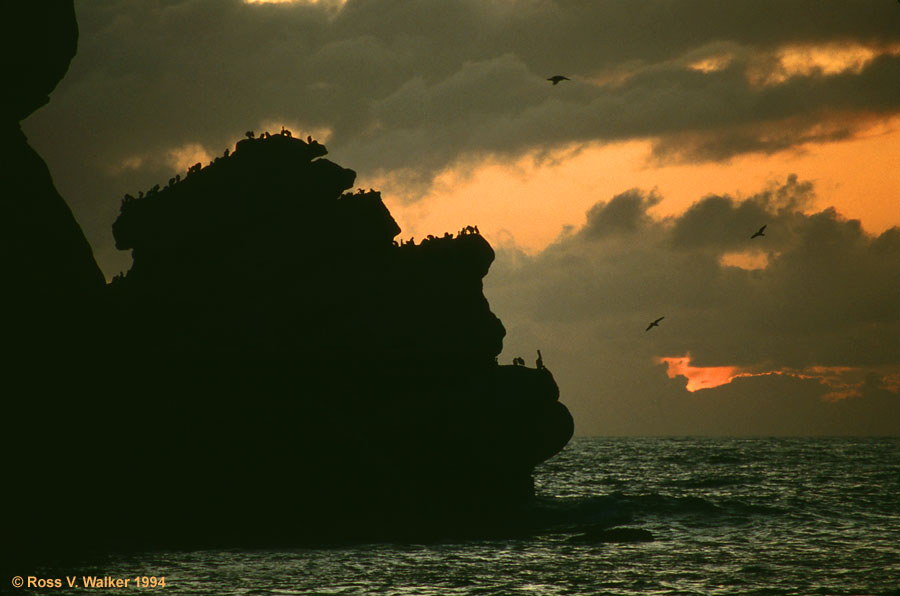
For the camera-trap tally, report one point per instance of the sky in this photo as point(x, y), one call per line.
point(626, 193)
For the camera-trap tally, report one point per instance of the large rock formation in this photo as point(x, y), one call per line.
point(274, 367)
point(278, 369)
point(43, 251)
point(50, 288)
point(298, 341)
point(38, 42)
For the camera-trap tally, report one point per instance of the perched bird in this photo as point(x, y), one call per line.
point(654, 324)
point(758, 233)
point(557, 78)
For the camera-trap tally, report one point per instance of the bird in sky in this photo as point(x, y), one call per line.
point(654, 324)
point(758, 233)
point(557, 78)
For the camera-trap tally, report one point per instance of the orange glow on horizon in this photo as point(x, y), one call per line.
point(843, 382)
point(698, 377)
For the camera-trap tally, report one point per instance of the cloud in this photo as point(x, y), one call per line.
point(624, 213)
point(182, 158)
point(822, 311)
point(406, 91)
point(410, 89)
point(722, 222)
point(841, 382)
point(698, 377)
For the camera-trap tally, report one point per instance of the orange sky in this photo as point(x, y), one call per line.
point(508, 202)
point(859, 177)
point(698, 377)
point(843, 382)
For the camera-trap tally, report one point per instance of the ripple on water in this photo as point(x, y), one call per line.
point(729, 517)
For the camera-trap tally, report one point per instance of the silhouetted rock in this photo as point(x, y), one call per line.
point(262, 272)
point(284, 261)
point(38, 42)
point(52, 293)
point(48, 275)
point(273, 369)
point(43, 252)
point(287, 374)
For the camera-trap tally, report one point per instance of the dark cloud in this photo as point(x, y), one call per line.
point(409, 88)
point(827, 298)
point(723, 223)
point(406, 89)
point(626, 212)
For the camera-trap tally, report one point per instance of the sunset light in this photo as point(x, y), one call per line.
point(630, 190)
point(749, 260)
point(698, 377)
point(182, 158)
point(825, 60)
point(457, 297)
point(842, 382)
point(535, 199)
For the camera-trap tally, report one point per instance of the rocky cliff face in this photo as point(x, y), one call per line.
point(265, 246)
point(42, 249)
point(277, 313)
point(50, 291)
point(39, 40)
point(274, 368)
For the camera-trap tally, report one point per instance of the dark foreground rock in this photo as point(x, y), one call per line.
point(277, 370)
point(300, 343)
point(43, 252)
point(274, 369)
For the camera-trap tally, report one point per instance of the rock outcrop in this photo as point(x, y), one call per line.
point(277, 313)
point(275, 368)
point(50, 290)
point(42, 249)
point(278, 369)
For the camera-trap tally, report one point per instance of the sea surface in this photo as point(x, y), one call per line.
point(728, 516)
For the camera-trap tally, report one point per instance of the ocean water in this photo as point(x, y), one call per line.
point(728, 516)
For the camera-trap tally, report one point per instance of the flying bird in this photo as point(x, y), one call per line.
point(758, 233)
point(557, 78)
point(654, 324)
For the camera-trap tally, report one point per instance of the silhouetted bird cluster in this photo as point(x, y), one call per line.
point(538, 364)
point(128, 199)
point(466, 231)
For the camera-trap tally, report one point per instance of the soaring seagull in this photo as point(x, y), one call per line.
point(758, 233)
point(557, 78)
point(654, 324)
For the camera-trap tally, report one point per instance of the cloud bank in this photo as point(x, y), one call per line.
point(408, 89)
point(818, 320)
point(802, 324)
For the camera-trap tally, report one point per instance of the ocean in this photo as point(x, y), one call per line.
point(740, 516)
